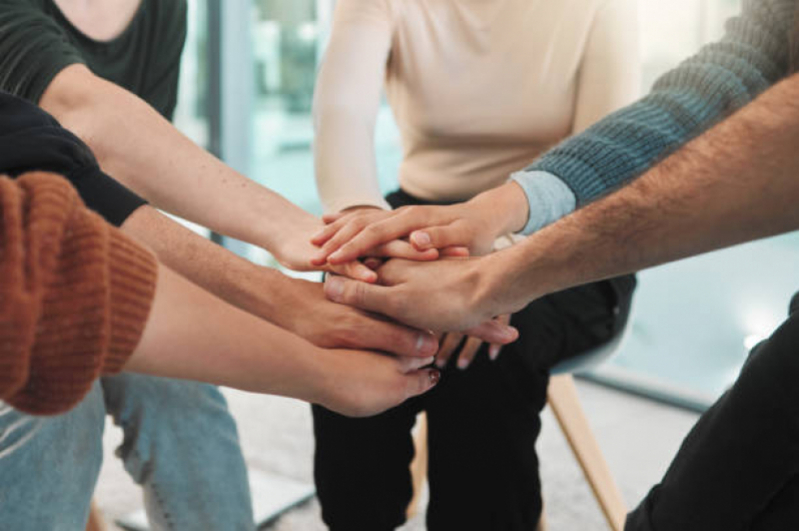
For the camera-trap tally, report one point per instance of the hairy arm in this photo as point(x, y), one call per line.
point(735, 183)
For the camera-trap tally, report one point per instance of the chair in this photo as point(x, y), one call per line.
point(562, 397)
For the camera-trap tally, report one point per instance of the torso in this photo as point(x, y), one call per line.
point(503, 88)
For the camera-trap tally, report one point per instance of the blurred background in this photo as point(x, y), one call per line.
point(247, 86)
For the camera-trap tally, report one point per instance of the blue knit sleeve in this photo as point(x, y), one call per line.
point(721, 78)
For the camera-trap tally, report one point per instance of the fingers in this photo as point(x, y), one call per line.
point(449, 344)
point(341, 237)
point(355, 270)
point(372, 334)
point(495, 349)
point(494, 332)
point(456, 234)
point(330, 218)
point(408, 365)
point(420, 382)
point(359, 294)
point(468, 352)
point(392, 228)
point(455, 252)
point(403, 249)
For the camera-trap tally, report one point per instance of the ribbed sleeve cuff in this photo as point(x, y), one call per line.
point(132, 272)
point(548, 197)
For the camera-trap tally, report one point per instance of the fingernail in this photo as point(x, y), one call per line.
point(334, 257)
point(422, 239)
point(493, 352)
point(319, 259)
point(441, 363)
point(435, 376)
point(463, 363)
point(426, 343)
point(427, 361)
point(334, 288)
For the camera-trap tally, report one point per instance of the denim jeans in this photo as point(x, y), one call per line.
point(180, 444)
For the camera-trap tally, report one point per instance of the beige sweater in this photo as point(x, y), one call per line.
point(479, 88)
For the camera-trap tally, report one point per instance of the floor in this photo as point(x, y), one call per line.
point(638, 437)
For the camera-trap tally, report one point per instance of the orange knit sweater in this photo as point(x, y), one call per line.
point(75, 294)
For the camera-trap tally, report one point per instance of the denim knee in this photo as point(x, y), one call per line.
point(49, 465)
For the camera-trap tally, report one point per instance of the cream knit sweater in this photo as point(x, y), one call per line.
point(479, 88)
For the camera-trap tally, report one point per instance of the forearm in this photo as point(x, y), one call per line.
point(191, 334)
point(258, 290)
point(733, 184)
point(142, 150)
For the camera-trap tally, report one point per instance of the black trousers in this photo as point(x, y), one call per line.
point(738, 468)
point(483, 424)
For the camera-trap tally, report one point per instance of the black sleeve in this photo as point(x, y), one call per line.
point(31, 139)
point(33, 49)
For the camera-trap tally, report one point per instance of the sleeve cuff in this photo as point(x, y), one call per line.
point(548, 197)
point(104, 195)
point(333, 207)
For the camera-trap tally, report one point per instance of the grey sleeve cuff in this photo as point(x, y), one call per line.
point(548, 197)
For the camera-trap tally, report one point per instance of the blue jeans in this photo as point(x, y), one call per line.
point(180, 444)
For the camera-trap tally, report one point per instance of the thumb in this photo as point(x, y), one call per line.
point(354, 293)
point(420, 382)
point(453, 235)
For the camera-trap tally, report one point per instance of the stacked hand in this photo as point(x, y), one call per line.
point(439, 294)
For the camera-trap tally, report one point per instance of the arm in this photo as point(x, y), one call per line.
point(80, 299)
point(703, 90)
point(346, 102)
point(690, 99)
point(192, 335)
point(733, 184)
point(148, 155)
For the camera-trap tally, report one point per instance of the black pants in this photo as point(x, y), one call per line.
point(483, 425)
point(738, 468)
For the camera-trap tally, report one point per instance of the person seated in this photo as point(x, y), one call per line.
point(707, 160)
point(478, 90)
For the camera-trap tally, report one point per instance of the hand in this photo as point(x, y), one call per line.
point(359, 384)
point(452, 340)
point(473, 226)
point(445, 295)
point(306, 311)
point(294, 250)
point(344, 226)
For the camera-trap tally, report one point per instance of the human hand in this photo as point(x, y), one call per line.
point(445, 295)
point(451, 340)
point(360, 383)
point(472, 226)
point(304, 310)
point(295, 251)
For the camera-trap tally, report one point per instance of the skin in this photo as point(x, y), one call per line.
point(735, 183)
point(146, 153)
point(191, 334)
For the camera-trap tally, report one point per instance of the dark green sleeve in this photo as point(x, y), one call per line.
point(170, 20)
point(33, 49)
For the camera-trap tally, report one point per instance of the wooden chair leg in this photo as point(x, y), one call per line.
point(565, 404)
point(96, 522)
point(419, 464)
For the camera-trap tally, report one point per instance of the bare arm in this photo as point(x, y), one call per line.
point(146, 153)
point(192, 335)
point(736, 183)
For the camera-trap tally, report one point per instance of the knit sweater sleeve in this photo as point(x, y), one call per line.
point(721, 78)
point(346, 103)
point(75, 294)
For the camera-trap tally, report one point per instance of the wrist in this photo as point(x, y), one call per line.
point(503, 209)
point(498, 286)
